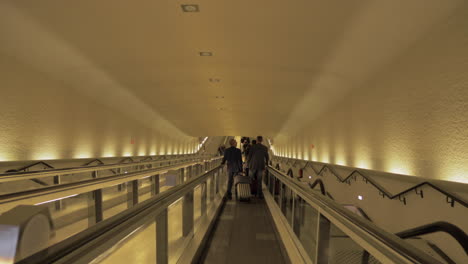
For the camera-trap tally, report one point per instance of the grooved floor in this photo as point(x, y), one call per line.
point(245, 234)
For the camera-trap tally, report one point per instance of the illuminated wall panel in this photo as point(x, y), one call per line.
point(411, 117)
point(43, 118)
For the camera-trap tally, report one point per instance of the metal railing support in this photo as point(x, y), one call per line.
point(203, 198)
point(280, 195)
point(59, 205)
point(187, 213)
point(132, 193)
point(323, 239)
point(187, 173)
point(162, 238)
point(154, 185)
point(212, 187)
point(216, 180)
point(181, 176)
point(95, 208)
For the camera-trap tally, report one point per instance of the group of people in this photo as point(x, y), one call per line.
point(256, 160)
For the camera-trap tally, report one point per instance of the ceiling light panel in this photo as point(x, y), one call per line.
point(190, 8)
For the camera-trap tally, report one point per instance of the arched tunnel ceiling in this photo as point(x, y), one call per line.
point(278, 63)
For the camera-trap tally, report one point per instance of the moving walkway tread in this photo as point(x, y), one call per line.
point(244, 234)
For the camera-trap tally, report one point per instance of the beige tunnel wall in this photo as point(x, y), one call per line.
point(409, 118)
point(43, 117)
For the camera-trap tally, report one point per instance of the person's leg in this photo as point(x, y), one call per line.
point(252, 174)
point(230, 181)
point(259, 183)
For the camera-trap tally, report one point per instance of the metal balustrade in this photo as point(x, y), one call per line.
point(58, 192)
point(326, 232)
point(95, 170)
point(198, 195)
point(175, 222)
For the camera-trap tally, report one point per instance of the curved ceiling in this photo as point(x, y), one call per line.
point(277, 62)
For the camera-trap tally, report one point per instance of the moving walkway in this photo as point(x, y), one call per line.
point(182, 224)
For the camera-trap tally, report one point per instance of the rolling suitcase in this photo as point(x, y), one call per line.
point(242, 187)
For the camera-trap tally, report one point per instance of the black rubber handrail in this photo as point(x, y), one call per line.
point(34, 164)
point(324, 192)
point(454, 231)
point(451, 198)
point(98, 161)
point(320, 183)
point(147, 158)
point(127, 158)
point(25, 168)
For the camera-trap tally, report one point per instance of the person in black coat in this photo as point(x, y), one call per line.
point(233, 157)
point(257, 161)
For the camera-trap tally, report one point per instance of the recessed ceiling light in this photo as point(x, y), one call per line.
point(190, 8)
point(206, 53)
point(360, 197)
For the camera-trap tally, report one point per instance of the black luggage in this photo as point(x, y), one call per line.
point(242, 187)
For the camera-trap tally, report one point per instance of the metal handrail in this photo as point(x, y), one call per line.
point(400, 249)
point(451, 198)
point(6, 177)
point(106, 229)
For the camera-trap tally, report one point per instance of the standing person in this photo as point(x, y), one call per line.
point(246, 146)
point(233, 156)
point(258, 158)
point(246, 149)
point(246, 153)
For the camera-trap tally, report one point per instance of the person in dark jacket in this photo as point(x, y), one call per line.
point(233, 157)
point(246, 146)
point(257, 160)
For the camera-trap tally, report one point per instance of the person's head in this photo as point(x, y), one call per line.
point(233, 142)
point(259, 139)
point(254, 142)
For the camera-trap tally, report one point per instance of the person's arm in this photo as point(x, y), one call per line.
point(224, 158)
point(239, 158)
point(249, 156)
point(267, 157)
